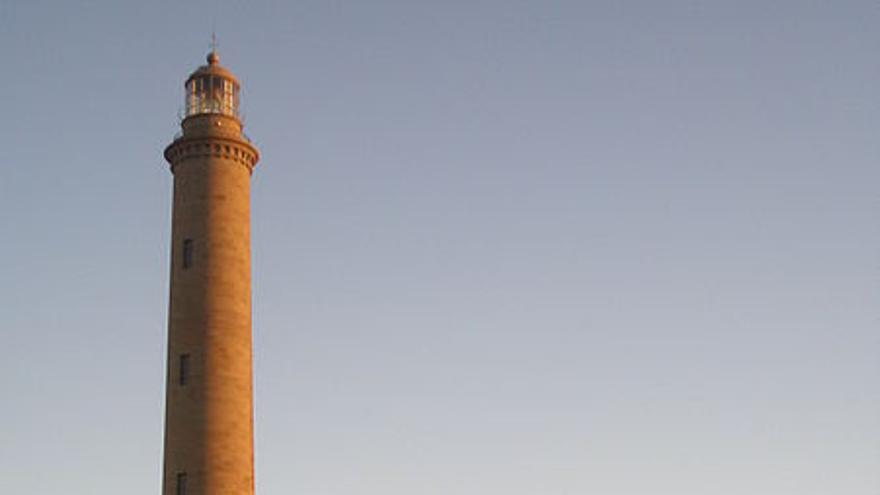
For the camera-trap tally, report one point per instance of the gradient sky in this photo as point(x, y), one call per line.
point(500, 247)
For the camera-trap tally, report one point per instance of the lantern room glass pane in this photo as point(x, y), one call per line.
point(211, 94)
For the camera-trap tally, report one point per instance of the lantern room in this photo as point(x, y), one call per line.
point(212, 89)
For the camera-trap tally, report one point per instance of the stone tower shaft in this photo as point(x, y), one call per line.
point(209, 386)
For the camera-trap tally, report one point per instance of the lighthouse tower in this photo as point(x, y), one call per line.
point(209, 389)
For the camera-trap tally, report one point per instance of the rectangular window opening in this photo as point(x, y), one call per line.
point(183, 369)
point(181, 484)
point(187, 253)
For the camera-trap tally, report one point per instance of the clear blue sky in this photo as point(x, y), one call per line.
point(500, 247)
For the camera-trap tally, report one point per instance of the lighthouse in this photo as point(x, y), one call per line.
point(209, 386)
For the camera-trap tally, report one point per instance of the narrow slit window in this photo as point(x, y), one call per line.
point(181, 484)
point(187, 253)
point(183, 370)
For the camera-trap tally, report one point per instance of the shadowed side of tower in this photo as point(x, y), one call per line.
point(209, 391)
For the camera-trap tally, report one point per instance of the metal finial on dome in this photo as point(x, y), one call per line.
point(213, 58)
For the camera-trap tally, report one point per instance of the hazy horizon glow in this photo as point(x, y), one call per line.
point(519, 248)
